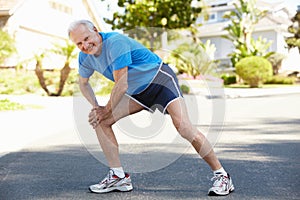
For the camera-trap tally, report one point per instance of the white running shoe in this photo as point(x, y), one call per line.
point(222, 185)
point(112, 183)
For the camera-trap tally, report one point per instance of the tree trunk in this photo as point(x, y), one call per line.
point(64, 74)
point(40, 74)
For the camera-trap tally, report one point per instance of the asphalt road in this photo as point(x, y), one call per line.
point(259, 146)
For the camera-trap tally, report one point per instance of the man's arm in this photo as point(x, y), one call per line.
point(119, 89)
point(100, 113)
point(87, 91)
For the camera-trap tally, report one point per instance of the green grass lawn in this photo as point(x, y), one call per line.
point(6, 104)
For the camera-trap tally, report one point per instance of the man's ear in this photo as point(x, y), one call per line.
point(95, 29)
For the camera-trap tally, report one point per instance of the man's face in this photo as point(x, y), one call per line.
point(88, 42)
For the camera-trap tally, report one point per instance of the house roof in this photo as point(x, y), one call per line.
point(8, 7)
point(93, 13)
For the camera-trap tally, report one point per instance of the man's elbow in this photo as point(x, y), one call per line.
point(124, 87)
point(83, 83)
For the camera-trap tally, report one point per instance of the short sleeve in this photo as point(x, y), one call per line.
point(84, 71)
point(120, 53)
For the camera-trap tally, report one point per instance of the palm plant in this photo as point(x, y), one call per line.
point(193, 58)
point(240, 29)
point(66, 50)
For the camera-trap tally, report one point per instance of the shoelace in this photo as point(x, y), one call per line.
point(108, 176)
point(219, 179)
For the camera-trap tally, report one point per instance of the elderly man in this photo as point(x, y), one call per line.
point(142, 81)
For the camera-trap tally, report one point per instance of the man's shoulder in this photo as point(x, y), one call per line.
point(108, 35)
point(82, 55)
point(84, 58)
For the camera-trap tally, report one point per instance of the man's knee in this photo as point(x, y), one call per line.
point(107, 123)
point(186, 130)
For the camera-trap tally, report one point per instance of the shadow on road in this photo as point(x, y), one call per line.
point(65, 172)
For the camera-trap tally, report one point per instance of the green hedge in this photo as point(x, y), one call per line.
point(185, 89)
point(228, 79)
point(281, 80)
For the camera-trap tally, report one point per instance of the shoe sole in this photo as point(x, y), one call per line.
point(212, 193)
point(127, 188)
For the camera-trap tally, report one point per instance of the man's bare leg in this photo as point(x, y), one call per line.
point(178, 112)
point(105, 134)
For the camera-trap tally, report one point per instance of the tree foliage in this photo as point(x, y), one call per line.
point(7, 46)
point(165, 14)
point(240, 30)
point(294, 29)
point(149, 13)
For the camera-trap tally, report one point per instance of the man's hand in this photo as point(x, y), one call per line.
point(98, 114)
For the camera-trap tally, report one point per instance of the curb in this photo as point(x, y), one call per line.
point(260, 92)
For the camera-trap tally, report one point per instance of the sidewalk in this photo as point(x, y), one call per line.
point(259, 92)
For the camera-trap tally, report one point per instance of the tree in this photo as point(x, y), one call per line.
point(66, 50)
point(164, 14)
point(294, 29)
point(7, 46)
point(240, 30)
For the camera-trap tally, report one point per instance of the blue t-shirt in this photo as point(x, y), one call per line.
point(119, 51)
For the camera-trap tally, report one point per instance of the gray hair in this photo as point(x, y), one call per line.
point(84, 22)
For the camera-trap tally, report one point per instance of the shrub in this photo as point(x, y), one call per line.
point(7, 46)
point(185, 89)
point(228, 79)
point(14, 82)
point(18, 82)
point(281, 80)
point(254, 70)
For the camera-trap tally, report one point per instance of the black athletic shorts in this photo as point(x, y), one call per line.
point(163, 90)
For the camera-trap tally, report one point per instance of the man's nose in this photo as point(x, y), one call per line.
point(85, 45)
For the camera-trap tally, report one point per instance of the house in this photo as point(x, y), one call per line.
point(38, 24)
point(273, 27)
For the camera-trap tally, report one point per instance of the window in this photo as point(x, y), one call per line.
point(212, 17)
point(60, 7)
